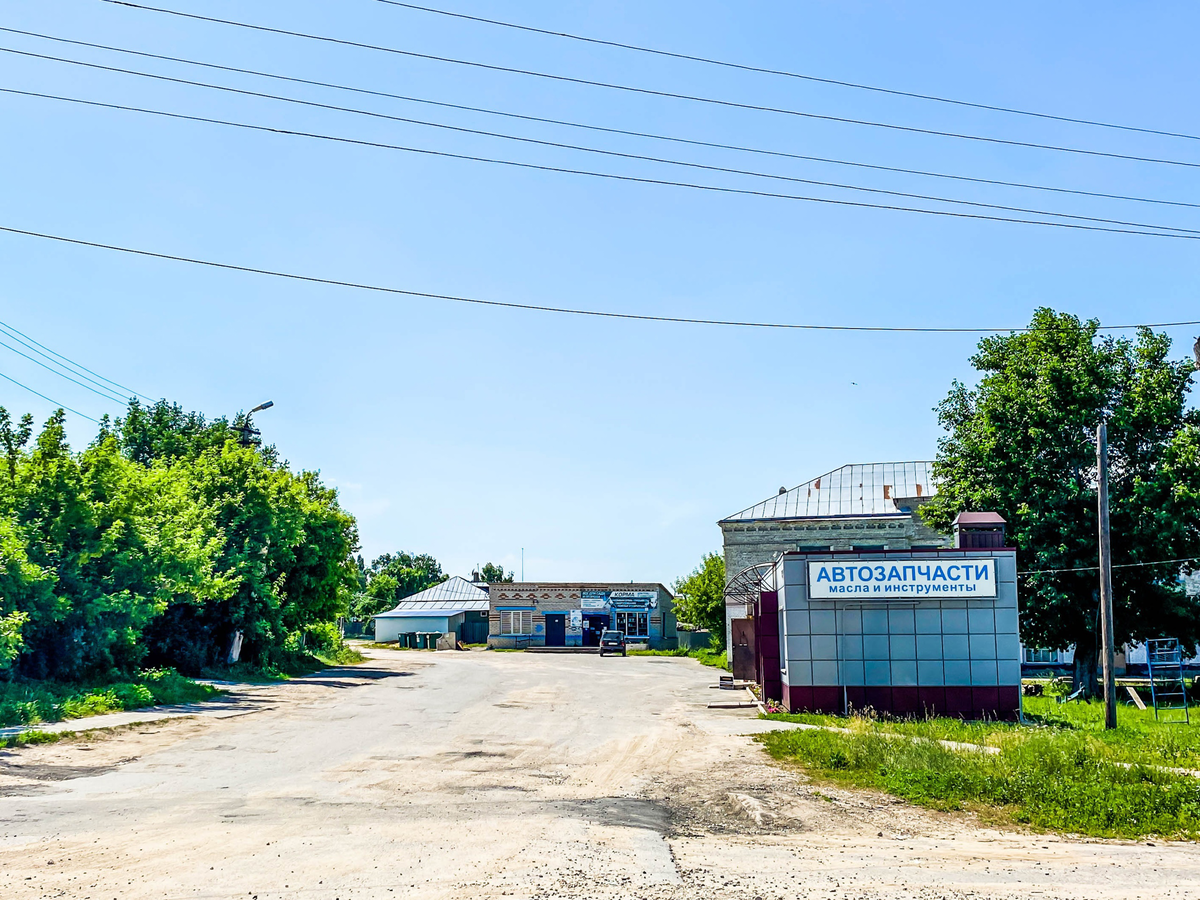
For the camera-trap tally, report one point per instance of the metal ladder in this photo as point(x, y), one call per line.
point(1168, 691)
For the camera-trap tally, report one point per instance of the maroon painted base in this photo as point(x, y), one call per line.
point(965, 702)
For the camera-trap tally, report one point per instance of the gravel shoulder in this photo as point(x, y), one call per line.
point(455, 775)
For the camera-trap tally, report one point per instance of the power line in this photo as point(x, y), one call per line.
point(1157, 562)
point(600, 128)
point(593, 174)
point(29, 343)
point(108, 397)
point(814, 78)
point(577, 147)
point(44, 397)
point(312, 279)
point(656, 93)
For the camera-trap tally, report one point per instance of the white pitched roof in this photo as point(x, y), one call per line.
point(452, 596)
point(861, 489)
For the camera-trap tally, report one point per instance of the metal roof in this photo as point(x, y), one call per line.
point(453, 596)
point(860, 489)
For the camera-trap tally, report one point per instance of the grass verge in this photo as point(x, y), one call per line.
point(1138, 738)
point(1049, 780)
point(714, 658)
point(29, 703)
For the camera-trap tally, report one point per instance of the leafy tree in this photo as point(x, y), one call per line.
point(157, 544)
point(379, 596)
point(700, 596)
point(1021, 443)
point(494, 574)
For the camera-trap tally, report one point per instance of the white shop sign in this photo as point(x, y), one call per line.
point(860, 578)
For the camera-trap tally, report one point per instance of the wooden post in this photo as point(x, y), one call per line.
point(1106, 602)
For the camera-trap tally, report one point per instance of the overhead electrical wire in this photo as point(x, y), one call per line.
point(859, 204)
point(599, 128)
point(658, 93)
point(769, 71)
point(594, 150)
point(49, 399)
point(1157, 562)
point(71, 366)
point(333, 282)
point(110, 397)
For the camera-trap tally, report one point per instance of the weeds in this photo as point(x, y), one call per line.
point(28, 703)
point(1054, 780)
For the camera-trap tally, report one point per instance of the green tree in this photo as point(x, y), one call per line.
point(1021, 443)
point(700, 596)
point(494, 574)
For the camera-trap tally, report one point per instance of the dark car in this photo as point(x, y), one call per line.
point(612, 642)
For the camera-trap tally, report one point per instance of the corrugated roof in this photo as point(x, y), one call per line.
point(452, 596)
point(860, 489)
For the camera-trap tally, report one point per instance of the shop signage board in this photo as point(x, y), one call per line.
point(634, 599)
point(892, 579)
point(593, 600)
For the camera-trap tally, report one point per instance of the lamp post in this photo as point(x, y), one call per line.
point(247, 434)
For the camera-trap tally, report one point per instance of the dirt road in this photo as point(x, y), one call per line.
point(456, 775)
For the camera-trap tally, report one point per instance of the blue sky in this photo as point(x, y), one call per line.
point(607, 449)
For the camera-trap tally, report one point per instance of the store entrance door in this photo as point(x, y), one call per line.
point(556, 630)
point(593, 626)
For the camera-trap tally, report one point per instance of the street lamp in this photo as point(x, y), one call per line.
point(248, 435)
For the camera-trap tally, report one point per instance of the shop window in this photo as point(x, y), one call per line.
point(516, 621)
point(1040, 655)
point(634, 624)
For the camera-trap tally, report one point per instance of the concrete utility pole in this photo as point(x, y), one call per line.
point(1106, 601)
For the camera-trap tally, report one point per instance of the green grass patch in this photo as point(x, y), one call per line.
point(1138, 738)
point(707, 657)
point(29, 738)
point(28, 703)
point(1056, 780)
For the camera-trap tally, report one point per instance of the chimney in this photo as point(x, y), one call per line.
point(978, 530)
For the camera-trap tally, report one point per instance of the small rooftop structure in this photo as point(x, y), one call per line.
point(859, 489)
point(977, 530)
point(452, 596)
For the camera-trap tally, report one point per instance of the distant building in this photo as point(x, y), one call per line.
point(868, 506)
point(573, 614)
point(455, 606)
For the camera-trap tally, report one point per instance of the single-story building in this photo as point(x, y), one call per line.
point(863, 506)
point(455, 606)
point(906, 632)
point(573, 614)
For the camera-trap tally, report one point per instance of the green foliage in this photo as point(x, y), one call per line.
point(1022, 443)
point(700, 597)
point(494, 574)
point(155, 546)
point(27, 703)
point(391, 578)
point(1050, 780)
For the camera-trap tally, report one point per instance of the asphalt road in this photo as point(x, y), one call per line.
point(500, 774)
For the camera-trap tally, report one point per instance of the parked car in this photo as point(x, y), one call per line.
point(612, 642)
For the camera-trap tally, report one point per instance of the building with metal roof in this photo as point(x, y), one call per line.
point(454, 606)
point(862, 506)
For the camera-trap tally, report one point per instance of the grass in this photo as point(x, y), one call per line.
point(29, 738)
point(1138, 738)
point(707, 657)
point(1050, 781)
point(29, 703)
point(1062, 772)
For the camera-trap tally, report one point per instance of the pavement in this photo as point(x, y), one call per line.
point(479, 775)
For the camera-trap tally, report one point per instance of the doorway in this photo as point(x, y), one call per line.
point(593, 627)
point(556, 630)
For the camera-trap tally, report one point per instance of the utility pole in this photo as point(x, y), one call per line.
point(1106, 600)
